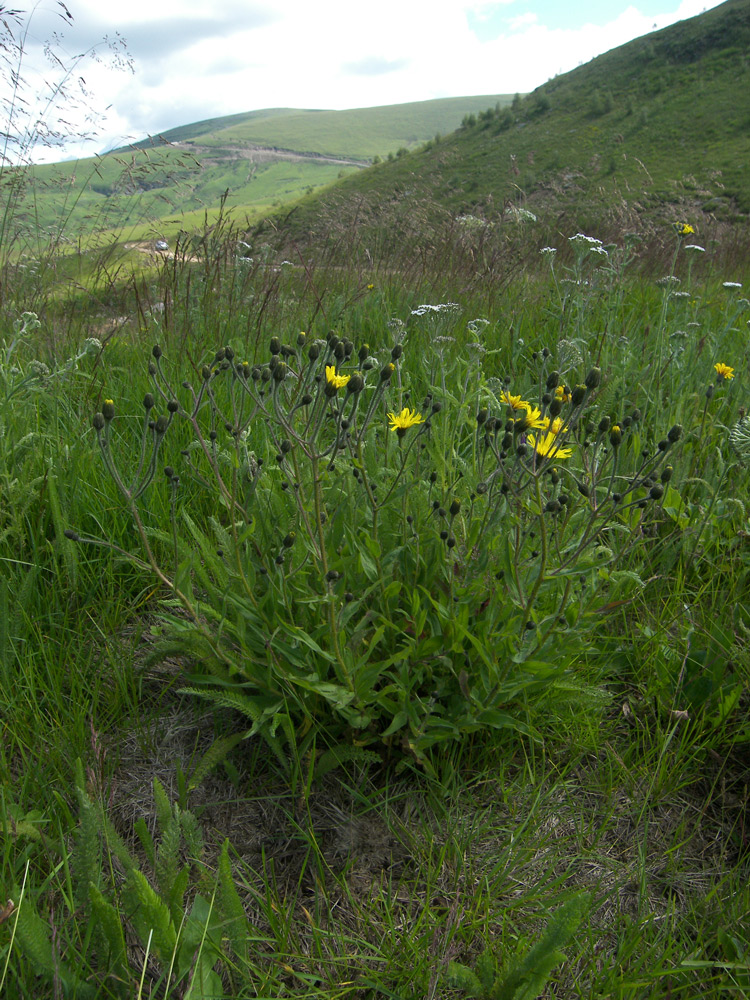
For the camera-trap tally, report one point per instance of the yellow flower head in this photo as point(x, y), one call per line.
point(402, 421)
point(723, 372)
point(337, 381)
point(548, 447)
point(553, 426)
point(532, 419)
point(514, 402)
point(683, 229)
point(562, 393)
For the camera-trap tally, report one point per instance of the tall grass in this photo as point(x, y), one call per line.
point(179, 858)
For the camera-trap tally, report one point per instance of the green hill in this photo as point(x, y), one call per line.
point(251, 163)
point(657, 127)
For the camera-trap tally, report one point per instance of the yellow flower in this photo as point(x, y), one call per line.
point(562, 393)
point(370, 287)
point(402, 421)
point(337, 381)
point(547, 447)
point(554, 427)
point(514, 402)
point(683, 229)
point(723, 372)
point(532, 419)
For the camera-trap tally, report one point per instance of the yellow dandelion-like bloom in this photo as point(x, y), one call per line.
point(562, 393)
point(553, 426)
point(337, 381)
point(533, 419)
point(548, 446)
point(683, 229)
point(402, 421)
point(514, 402)
point(723, 372)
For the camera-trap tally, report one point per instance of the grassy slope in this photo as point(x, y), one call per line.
point(361, 133)
point(656, 121)
point(141, 187)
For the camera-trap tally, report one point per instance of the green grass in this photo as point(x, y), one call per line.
point(154, 189)
point(651, 131)
point(628, 782)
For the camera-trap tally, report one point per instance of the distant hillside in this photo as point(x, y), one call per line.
point(657, 127)
point(251, 163)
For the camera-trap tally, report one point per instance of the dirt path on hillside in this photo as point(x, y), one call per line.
point(265, 154)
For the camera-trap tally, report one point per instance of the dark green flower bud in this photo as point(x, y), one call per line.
point(301, 338)
point(656, 492)
point(265, 375)
point(593, 378)
point(285, 446)
point(108, 409)
point(157, 351)
point(636, 416)
point(313, 352)
point(666, 473)
point(454, 508)
point(664, 444)
point(709, 392)
point(332, 575)
point(148, 402)
point(280, 371)
point(675, 433)
point(205, 373)
point(578, 395)
point(274, 345)
point(553, 380)
point(552, 506)
point(604, 424)
point(288, 541)
point(173, 406)
point(355, 384)
point(98, 421)
point(397, 352)
point(168, 471)
point(555, 407)
point(563, 499)
point(482, 488)
point(584, 490)
point(482, 416)
point(72, 535)
point(387, 372)
point(554, 477)
point(306, 399)
point(229, 354)
point(363, 352)
point(161, 424)
point(521, 450)
point(339, 351)
point(546, 352)
point(546, 399)
point(220, 355)
point(152, 369)
point(615, 436)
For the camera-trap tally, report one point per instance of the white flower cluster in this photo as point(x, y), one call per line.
point(694, 246)
point(548, 250)
point(732, 284)
point(441, 307)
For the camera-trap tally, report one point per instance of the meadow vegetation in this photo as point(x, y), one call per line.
point(357, 625)
point(374, 613)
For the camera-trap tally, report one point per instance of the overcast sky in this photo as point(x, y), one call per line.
point(192, 60)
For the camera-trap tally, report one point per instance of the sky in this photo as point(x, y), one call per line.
point(180, 61)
